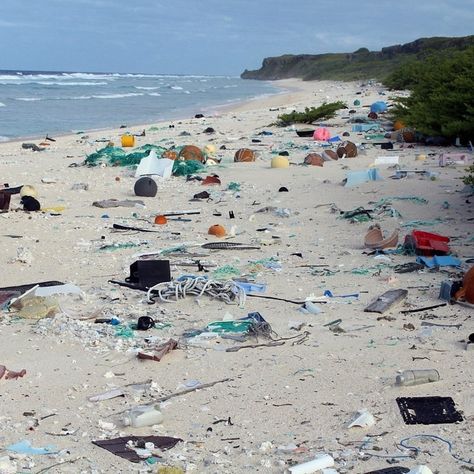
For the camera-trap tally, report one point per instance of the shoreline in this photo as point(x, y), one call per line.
point(219, 108)
point(292, 92)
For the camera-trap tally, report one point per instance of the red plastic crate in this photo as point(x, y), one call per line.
point(427, 244)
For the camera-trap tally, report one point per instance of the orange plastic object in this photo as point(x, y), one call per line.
point(467, 290)
point(213, 179)
point(191, 152)
point(374, 238)
point(128, 140)
point(161, 220)
point(170, 154)
point(217, 230)
point(314, 159)
point(244, 155)
point(398, 125)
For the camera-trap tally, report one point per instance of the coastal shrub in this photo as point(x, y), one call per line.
point(441, 102)
point(468, 180)
point(311, 114)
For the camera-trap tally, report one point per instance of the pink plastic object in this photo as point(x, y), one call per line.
point(321, 134)
point(454, 158)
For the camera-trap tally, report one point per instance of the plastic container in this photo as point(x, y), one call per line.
point(417, 377)
point(147, 415)
point(427, 243)
point(280, 162)
point(128, 140)
point(320, 462)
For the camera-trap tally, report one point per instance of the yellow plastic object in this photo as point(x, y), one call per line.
point(54, 209)
point(128, 140)
point(280, 162)
point(170, 470)
point(210, 149)
point(420, 157)
point(28, 190)
point(37, 307)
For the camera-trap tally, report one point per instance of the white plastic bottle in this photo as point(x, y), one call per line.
point(146, 415)
point(417, 377)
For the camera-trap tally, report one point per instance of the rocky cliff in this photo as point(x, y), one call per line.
point(361, 64)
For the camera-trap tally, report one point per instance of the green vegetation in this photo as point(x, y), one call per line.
point(441, 102)
point(311, 114)
point(469, 178)
point(359, 65)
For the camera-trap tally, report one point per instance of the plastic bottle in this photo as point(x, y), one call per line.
point(146, 415)
point(417, 377)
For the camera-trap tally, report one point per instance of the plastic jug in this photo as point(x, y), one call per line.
point(146, 415)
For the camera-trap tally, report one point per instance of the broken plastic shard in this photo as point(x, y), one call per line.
point(364, 419)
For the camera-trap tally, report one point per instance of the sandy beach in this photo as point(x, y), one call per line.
point(280, 404)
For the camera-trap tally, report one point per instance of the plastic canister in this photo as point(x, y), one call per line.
point(417, 377)
point(320, 462)
point(146, 415)
point(280, 162)
point(128, 140)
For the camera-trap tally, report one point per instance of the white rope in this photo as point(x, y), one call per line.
point(227, 291)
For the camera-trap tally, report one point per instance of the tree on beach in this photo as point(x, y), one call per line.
point(311, 114)
point(441, 102)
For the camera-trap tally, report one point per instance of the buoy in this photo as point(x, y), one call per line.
point(244, 155)
point(161, 220)
point(191, 152)
point(145, 187)
point(217, 230)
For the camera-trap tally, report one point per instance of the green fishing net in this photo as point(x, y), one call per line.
point(184, 168)
point(115, 156)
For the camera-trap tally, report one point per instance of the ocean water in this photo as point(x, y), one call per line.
point(33, 103)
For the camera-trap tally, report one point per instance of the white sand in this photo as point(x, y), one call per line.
point(303, 394)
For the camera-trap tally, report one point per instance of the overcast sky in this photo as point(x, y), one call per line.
point(209, 36)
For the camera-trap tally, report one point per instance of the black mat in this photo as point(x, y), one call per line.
point(428, 410)
point(118, 446)
point(24, 288)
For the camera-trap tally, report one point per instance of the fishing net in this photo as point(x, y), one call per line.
point(115, 156)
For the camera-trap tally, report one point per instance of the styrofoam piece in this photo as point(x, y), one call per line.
point(364, 419)
point(310, 308)
point(420, 470)
point(320, 462)
point(151, 165)
point(117, 392)
point(386, 160)
point(355, 178)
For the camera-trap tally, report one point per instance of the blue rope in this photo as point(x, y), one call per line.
point(436, 438)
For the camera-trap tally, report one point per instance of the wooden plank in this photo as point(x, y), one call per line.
point(386, 301)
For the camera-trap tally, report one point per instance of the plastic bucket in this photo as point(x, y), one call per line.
point(128, 140)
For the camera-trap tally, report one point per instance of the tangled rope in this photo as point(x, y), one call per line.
point(227, 291)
